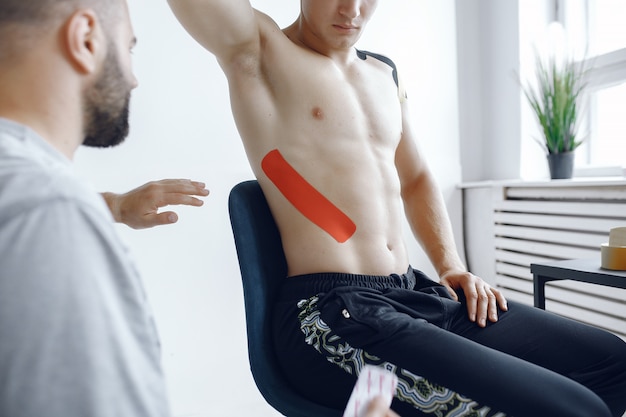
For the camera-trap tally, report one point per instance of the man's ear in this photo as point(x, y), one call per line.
point(84, 40)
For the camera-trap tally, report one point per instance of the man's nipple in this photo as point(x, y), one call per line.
point(317, 113)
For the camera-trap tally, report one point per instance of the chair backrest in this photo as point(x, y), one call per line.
point(263, 268)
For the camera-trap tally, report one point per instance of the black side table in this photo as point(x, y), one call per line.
point(584, 270)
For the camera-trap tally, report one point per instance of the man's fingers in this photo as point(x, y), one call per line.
point(487, 302)
point(179, 200)
point(167, 217)
point(182, 186)
point(471, 298)
point(482, 300)
point(482, 305)
point(150, 220)
point(493, 305)
point(501, 300)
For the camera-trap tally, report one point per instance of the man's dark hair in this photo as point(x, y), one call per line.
point(42, 11)
point(26, 11)
point(22, 21)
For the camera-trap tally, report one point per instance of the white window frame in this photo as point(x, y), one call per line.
point(605, 71)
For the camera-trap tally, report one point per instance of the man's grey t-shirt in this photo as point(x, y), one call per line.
point(77, 337)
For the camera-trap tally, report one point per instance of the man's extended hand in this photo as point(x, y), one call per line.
point(482, 299)
point(139, 208)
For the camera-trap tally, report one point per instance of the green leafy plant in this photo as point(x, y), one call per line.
point(555, 100)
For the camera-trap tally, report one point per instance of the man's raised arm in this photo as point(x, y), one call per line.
point(227, 28)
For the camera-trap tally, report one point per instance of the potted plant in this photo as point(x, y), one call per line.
point(555, 99)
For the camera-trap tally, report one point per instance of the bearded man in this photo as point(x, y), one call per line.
point(76, 334)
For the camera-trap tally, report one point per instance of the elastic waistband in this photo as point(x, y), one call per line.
point(304, 286)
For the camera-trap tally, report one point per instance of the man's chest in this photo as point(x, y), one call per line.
point(335, 104)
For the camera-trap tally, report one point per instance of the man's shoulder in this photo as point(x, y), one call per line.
point(27, 184)
point(364, 55)
point(266, 22)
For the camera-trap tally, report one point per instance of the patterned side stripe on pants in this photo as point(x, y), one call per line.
point(422, 394)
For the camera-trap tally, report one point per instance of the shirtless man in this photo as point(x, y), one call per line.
point(326, 131)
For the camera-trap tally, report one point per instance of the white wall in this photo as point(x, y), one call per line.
point(497, 127)
point(489, 93)
point(181, 126)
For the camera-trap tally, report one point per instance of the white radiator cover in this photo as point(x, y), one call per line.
point(508, 226)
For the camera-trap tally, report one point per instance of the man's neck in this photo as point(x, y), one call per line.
point(44, 107)
point(303, 38)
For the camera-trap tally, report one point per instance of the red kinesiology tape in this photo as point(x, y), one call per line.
point(306, 199)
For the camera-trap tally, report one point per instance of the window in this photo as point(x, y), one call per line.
point(596, 32)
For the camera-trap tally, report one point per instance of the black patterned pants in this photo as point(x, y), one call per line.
point(529, 363)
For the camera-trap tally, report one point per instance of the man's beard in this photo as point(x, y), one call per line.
point(107, 106)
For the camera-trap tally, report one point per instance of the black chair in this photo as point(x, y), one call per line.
point(263, 267)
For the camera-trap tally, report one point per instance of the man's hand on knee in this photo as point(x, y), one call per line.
point(482, 299)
